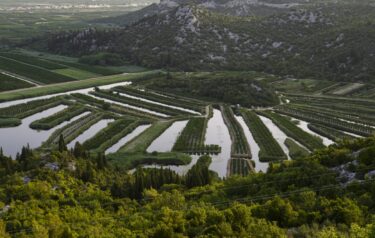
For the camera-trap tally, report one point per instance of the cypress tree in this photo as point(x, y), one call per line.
point(62, 145)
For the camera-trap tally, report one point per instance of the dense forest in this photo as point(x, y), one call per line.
point(65, 193)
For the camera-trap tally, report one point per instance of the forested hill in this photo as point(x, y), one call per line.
point(323, 40)
point(72, 194)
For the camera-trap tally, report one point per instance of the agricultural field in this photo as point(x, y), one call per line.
point(128, 112)
point(8, 83)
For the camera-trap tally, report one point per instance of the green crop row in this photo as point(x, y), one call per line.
point(139, 103)
point(9, 122)
point(105, 135)
point(327, 121)
point(330, 133)
point(26, 109)
point(289, 128)
point(240, 146)
point(170, 100)
point(270, 150)
point(35, 73)
point(191, 139)
point(57, 118)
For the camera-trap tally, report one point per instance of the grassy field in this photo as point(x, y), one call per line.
point(70, 86)
point(76, 73)
point(144, 140)
point(302, 85)
point(8, 83)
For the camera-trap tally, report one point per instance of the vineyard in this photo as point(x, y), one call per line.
point(295, 150)
point(191, 140)
point(270, 150)
point(333, 134)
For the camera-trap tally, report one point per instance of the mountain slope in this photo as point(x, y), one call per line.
point(332, 41)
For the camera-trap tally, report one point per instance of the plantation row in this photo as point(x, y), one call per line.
point(191, 139)
point(74, 129)
point(86, 99)
point(121, 127)
point(240, 166)
point(354, 117)
point(330, 133)
point(270, 150)
point(346, 103)
point(138, 103)
point(57, 118)
point(33, 72)
point(240, 146)
point(173, 101)
point(295, 150)
point(290, 129)
point(27, 109)
point(326, 121)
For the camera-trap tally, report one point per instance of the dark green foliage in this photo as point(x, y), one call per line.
point(199, 174)
point(103, 59)
point(62, 144)
point(232, 88)
point(295, 150)
point(270, 150)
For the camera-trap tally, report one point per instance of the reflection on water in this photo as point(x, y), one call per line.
point(218, 134)
point(276, 133)
point(259, 166)
point(13, 139)
point(89, 133)
point(166, 141)
point(158, 103)
point(83, 91)
point(137, 131)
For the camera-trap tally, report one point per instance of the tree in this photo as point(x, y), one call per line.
point(62, 145)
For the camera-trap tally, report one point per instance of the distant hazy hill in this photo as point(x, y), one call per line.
point(321, 40)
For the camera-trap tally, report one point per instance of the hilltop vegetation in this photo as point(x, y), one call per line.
point(73, 194)
point(322, 40)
